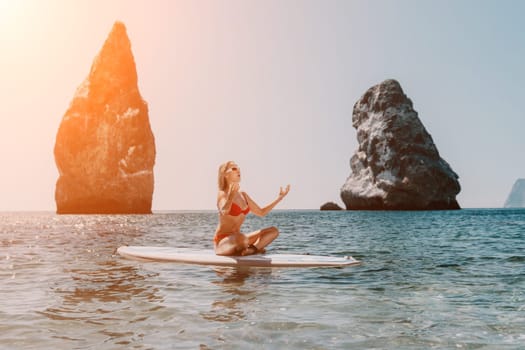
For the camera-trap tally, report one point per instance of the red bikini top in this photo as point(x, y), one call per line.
point(236, 210)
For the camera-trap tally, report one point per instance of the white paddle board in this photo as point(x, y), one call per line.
point(208, 257)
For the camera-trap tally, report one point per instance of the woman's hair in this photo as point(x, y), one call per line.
point(222, 175)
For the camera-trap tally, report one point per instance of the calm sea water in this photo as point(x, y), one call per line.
point(447, 280)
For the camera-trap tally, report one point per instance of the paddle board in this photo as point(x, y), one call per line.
point(208, 257)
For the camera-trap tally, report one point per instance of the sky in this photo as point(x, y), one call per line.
point(270, 84)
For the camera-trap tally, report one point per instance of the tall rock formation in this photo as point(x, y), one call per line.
point(397, 165)
point(516, 198)
point(105, 149)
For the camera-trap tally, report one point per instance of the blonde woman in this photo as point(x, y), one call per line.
point(234, 205)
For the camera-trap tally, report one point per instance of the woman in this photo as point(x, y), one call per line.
point(234, 205)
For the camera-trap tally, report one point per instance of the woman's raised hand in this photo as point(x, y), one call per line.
point(234, 188)
point(283, 193)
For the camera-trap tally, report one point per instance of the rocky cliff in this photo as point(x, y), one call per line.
point(396, 166)
point(516, 198)
point(105, 149)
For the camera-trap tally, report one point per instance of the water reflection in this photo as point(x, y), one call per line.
point(94, 296)
point(110, 283)
point(239, 292)
point(107, 304)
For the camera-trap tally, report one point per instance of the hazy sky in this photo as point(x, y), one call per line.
point(271, 85)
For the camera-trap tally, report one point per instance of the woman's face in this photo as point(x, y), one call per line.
point(233, 173)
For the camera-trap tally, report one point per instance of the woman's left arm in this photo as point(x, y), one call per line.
point(254, 207)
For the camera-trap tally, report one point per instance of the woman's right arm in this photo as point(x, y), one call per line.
point(225, 200)
point(223, 204)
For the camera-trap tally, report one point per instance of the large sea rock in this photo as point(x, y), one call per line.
point(516, 198)
point(105, 149)
point(397, 165)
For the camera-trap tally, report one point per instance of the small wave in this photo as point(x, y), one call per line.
point(516, 258)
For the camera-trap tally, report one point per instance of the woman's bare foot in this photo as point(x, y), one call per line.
point(251, 250)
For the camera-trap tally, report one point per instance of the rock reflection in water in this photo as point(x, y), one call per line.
point(107, 298)
point(112, 283)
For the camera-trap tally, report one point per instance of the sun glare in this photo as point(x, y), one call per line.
point(6, 6)
point(9, 10)
point(12, 10)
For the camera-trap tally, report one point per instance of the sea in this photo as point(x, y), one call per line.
point(428, 280)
